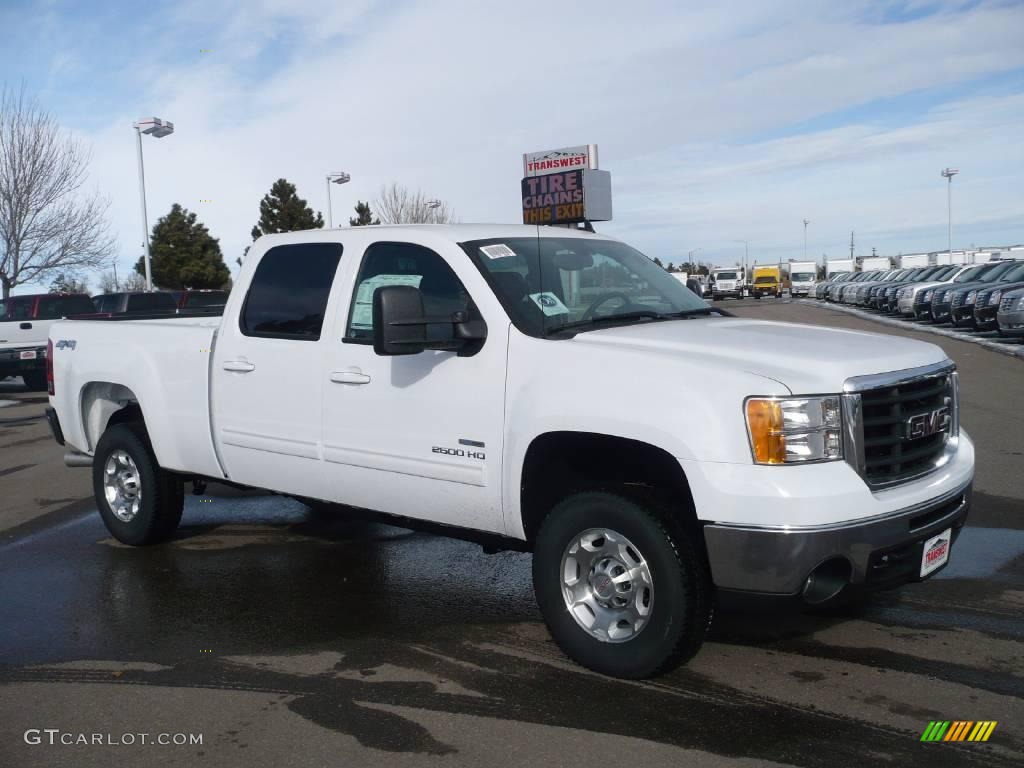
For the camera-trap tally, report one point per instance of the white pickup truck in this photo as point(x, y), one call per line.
point(534, 389)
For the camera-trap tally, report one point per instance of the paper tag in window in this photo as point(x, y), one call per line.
point(362, 308)
point(549, 303)
point(499, 251)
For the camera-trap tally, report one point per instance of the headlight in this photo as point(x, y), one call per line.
point(1020, 303)
point(971, 296)
point(994, 299)
point(794, 430)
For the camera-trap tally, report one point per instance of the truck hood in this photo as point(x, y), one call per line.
point(805, 358)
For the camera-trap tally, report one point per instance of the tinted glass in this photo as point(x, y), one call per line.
point(725, 275)
point(1014, 275)
point(151, 302)
point(51, 308)
point(288, 295)
point(20, 309)
point(205, 299)
point(408, 264)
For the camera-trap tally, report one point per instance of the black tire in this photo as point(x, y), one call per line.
point(35, 381)
point(682, 589)
point(162, 493)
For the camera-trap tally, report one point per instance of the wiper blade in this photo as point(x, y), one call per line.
point(643, 314)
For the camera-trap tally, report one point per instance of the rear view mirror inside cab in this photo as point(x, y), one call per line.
point(571, 261)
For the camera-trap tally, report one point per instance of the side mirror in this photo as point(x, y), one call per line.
point(399, 327)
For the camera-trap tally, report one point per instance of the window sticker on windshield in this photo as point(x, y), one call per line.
point(362, 312)
point(549, 303)
point(499, 251)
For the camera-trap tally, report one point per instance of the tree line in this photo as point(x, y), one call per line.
point(53, 229)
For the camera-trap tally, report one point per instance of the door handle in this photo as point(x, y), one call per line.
point(239, 366)
point(26, 326)
point(349, 377)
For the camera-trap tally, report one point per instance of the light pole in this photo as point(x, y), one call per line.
point(949, 173)
point(338, 177)
point(806, 222)
point(156, 128)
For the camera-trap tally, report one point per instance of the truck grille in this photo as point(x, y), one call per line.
point(892, 453)
point(1005, 305)
point(958, 299)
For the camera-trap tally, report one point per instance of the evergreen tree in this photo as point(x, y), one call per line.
point(68, 282)
point(658, 262)
point(281, 210)
point(183, 254)
point(363, 217)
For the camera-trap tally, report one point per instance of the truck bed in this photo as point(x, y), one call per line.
point(163, 364)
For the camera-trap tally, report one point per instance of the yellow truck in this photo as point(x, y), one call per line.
point(768, 281)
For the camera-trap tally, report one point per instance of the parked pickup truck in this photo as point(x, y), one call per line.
point(533, 389)
point(24, 325)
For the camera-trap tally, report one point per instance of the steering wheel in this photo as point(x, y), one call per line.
point(603, 298)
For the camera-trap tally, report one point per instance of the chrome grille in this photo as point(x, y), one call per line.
point(958, 299)
point(888, 441)
point(1005, 305)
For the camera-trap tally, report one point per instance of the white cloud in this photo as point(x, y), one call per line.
point(447, 95)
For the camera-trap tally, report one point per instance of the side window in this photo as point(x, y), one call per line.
point(288, 295)
point(407, 264)
point(21, 309)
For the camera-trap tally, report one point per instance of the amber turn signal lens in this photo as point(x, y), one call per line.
point(764, 420)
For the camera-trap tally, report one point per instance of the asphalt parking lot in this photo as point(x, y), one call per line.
point(289, 637)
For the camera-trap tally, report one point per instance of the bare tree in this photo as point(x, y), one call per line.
point(47, 225)
point(133, 281)
point(397, 204)
point(108, 282)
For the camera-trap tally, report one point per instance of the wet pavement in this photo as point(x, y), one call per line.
point(291, 637)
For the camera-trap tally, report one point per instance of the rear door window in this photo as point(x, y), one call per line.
point(287, 298)
point(54, 307)
point(151, 302)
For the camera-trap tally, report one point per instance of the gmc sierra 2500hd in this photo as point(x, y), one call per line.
point(534, 388)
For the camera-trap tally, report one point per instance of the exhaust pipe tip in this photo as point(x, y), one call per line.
point(827, 580)
point(76, 459)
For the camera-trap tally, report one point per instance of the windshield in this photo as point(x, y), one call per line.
point(802, 277)
point(547, 283)
point(725, 275)
point(765, 279)
point(1014, 275)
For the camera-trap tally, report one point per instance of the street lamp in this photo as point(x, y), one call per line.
point(949, 173)
point(806, 222)
point(338, 177)
point(157, 128)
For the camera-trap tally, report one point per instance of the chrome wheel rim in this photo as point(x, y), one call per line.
point(607, 585)
point(122, 486)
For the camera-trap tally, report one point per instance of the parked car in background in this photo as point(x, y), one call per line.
point(921, 307)
point(962, 298)
point(907, 293)
point(729, 282)
point(942, 297)
point(852, 292)
point(1010, 317)
point(986, 303)
point(888, 297)
point(24, 327)
point(821, 289)
point(135, 302)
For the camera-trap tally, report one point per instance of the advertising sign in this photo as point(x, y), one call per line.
point(560, 160)
point(567, 197)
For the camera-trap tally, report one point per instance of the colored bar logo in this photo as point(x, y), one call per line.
point(959, 730)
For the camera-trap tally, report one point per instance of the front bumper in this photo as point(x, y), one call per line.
point(942, 313)
point(1011, 323)
point(963, 316)
point(882, 551)
point(12, 362)
point(906, 306)
point(985, 318)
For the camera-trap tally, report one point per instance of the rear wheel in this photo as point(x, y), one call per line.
point(140, 503)
point(35, 381)
point(623, 586)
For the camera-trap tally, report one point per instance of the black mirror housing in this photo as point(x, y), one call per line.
point(399, 327)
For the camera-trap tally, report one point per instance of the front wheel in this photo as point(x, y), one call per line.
point(140, 503)
point(623, 586)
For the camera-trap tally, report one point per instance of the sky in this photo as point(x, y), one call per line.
point(719, 122)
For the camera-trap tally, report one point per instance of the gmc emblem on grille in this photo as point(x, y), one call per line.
point(924, 424)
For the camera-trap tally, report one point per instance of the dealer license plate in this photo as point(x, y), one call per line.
point(936, 552)
point(29, 355)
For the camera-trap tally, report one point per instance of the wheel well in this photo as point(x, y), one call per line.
point(104, 404)
point(560, 463)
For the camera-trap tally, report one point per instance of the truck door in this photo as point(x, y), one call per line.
point(417, 435)
point(266, 374)
point(18, 329)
